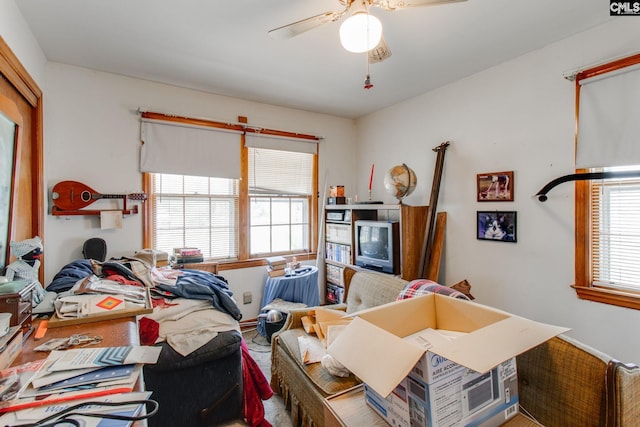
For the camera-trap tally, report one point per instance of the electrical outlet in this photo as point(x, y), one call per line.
point(247, 297)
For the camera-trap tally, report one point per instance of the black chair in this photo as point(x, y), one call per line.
point(95, 248)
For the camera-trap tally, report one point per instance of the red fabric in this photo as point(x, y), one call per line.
point(122, 280)
point(149, 331)
point(256, 388)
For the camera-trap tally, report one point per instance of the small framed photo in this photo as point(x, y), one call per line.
point(497, 225)
point(495, 187)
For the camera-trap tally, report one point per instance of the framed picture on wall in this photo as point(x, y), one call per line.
point(497, 225)
point(495, 187)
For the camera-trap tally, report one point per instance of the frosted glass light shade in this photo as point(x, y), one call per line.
point(361, 32)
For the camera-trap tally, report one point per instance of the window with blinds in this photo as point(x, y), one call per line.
point(194, 211)
point(615, 233)
point(280, 193)
point(607, 215)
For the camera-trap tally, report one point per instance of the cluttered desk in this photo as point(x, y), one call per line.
point(24, 401)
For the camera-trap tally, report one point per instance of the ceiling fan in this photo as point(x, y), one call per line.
point(380, 51)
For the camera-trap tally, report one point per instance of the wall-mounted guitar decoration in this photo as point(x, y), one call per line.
point(70, 197)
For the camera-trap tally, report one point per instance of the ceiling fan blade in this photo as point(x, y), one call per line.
point(403, 4)
point(304, 25)
point(380, 52)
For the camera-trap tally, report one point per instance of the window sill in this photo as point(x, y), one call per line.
point(608, 296)
point(256, 262)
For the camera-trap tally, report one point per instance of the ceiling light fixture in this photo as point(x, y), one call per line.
point(361, 32)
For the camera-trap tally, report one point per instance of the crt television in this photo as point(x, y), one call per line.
point(378, 245)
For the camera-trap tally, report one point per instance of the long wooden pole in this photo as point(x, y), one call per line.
point(431, 210)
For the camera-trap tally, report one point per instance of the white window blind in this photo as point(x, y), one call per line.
point(608, 124)
point(615, 245)
point(281, 143)
point(178, 148)
point(192, 211)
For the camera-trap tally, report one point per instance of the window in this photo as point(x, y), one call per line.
point(608, 210)
point(271, 209)
point(280, 193)
point(194, 211)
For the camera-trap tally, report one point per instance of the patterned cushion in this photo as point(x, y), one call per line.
point(425, 286)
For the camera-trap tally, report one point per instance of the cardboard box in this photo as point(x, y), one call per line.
point(393, 408)
point(374, 348)
point(329, 323)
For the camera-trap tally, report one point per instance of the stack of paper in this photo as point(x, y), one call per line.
point(75, 374)
point(33, 415)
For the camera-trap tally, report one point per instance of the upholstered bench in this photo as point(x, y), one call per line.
point(304, 387)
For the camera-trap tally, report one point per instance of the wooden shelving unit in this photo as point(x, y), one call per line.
point(339, 240)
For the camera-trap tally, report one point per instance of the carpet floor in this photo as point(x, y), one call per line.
point(274, 409)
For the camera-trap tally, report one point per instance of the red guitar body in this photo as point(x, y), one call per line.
point(74, 195)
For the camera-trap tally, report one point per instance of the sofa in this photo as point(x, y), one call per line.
point(561, 382)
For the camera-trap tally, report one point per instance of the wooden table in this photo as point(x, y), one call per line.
point(115, 333)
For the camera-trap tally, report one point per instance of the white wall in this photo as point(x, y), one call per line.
point(517, 116)
point(92, 135)
point(16, 34)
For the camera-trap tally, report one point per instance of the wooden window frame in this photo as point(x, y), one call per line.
point(244, 259)
point(583, 216)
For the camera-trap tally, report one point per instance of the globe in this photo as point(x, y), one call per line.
point(400, 181)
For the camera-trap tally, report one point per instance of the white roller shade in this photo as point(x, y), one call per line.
point(280, 143)
point(608, 122)
point(176, 148)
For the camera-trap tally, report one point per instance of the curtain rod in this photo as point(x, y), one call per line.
point(236, 125)
point(571, 75)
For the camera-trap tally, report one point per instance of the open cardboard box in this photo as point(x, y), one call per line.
point(326, 318)
point(373, 348)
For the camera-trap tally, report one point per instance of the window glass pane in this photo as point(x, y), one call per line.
point(168, 184)
point(169, 213)
point(280, 238)
point(280, 211)
point(222, 186)
point(260, 211)
point(299, 211)
point(196, 212)
point(260, 240)
point(299, 237)
point(196, 185)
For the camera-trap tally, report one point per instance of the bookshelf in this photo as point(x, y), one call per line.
point(339, 243)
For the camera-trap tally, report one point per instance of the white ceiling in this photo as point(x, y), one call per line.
point(223, 46)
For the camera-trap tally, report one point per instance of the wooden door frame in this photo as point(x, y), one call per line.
point(14, 72)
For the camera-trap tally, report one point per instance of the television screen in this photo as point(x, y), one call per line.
point(373, 242)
